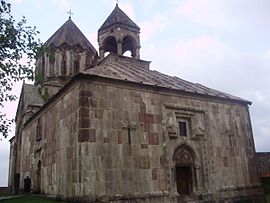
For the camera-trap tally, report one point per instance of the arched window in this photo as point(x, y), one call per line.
point(76, 62)
point(128, 53)
point(39, 130)
point(64, 63)
point(38, 180)
point(110, 45)
point(129, 44)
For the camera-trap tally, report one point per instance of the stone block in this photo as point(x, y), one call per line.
point(146, 118)
point(120, 141)
point(69, 152)
point(83, 102)
point(83, 135)
point(84, 122)
point(127, 162)
point(136, 162)
point(106, 140)
point(117, 116)
point(124, 175)
point(101, 104)
point(161, 174)
point(99, 113)
point(225, 161)
point(92, 134)
point(153, 139)
point(93, 102)
point(84, 112)
point(154, 174)
point(126, 149)
point(145, 162)
point(162, 185)
point(108, 162)
point(85, 93)
point(155, 101)
point(144, 146)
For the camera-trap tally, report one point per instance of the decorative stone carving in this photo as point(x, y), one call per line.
point(183, 156)
point(170, 124)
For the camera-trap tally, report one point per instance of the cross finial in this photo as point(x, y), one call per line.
point(117, 1)
point(69, 13)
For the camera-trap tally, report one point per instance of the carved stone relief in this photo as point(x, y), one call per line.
point(183, 156)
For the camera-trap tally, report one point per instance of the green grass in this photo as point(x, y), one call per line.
point(31, 199)
point(268, 198)
point(3, 194)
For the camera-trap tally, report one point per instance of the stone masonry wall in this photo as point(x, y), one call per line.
point(56, 148)
point(109, 142)
point(126, 144)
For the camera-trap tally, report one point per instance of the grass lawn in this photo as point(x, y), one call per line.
point(5, 194)
point(31, 199)
point(268, 198)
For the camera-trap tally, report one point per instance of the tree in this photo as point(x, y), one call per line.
point(17, 42)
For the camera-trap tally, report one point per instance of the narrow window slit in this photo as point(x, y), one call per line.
point(129, 136)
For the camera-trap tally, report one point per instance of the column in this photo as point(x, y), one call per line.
point(119, 48)
point(137, 53)
point(101, 52)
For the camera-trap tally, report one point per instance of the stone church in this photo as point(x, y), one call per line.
point(98, 126)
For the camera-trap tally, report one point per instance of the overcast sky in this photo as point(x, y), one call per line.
point(223, 44)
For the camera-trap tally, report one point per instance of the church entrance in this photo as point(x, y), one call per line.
point(38, 186)
point(183, 180)
point(184, 170)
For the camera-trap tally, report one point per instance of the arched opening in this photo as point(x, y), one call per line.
point(106, 54)
point(110, 45)
point(129, 44)
point(128, 53)
point(64, 63)
point(76, 62)
point(184, 159)
point(38, 180)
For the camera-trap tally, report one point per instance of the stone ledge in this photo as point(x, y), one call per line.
point(141, 197)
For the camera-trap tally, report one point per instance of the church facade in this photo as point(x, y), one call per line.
point(107, 128)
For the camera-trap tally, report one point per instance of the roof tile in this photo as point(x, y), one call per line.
point(118, 17)
point(119, 67)
point(70, 34)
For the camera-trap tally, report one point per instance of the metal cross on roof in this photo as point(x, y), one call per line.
point(69, 13)
point(117, 1)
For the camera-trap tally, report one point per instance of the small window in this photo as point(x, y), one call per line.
point(51, 70)
point(183, 129)
point(64, 64)
point(63, 67)
point(39, 130)
point(129, 136)
point(76, 66)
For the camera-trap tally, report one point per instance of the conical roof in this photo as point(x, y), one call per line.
point(118, 17)
point(70, 34)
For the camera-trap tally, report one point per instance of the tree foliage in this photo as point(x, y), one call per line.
point(18, 48)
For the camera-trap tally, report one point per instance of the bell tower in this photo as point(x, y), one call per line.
point(119, 34)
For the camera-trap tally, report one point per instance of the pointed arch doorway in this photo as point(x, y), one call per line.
point(184, 158)
point(38, 176)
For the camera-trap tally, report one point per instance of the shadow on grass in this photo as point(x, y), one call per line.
point(31, 199)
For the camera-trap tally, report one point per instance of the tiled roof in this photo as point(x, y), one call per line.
point(32, 97)
point(118, 17)
point(70, 34)
point(134, 70)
